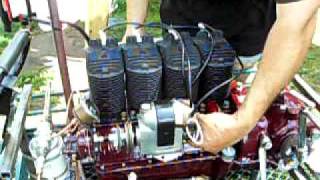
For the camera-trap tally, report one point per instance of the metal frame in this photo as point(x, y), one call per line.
point(9, 156)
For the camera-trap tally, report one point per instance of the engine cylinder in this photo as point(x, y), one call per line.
point(143, 71)
point(219, 68)
point(174, 82)
point(106, 78)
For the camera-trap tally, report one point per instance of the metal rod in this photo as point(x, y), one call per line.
point(55, 94)
point(39, 112)
point(313, 117)
point(47, 105)
point(29, 10)
point(59, 44)
point(314, 174)
point(9, 12)
point(302, 129)
point(302, 141)
point(307, 90)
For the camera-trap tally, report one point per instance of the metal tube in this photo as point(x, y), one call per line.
point(12, 52)
point(262, 163)
point(55, 94)
point(307, 90)
point(302, 130)
point(29, 10)
point(40, 112)
point(47, 105)
point(302, 141)
point(313, 117)
point(59, 44)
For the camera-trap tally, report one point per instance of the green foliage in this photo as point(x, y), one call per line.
point(5, 37)
point(310, 71)
point(122, 5)
point(38, 79)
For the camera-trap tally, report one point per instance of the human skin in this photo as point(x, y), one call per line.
point(136, 12)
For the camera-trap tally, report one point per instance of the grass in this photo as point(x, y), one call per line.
point(310, 71)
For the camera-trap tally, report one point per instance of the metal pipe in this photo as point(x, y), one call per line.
point(5, 19)
point(59, 44)
point(302, 141)
point(40, 112)
point(55, 94)
point(313, 117)
point(47, 105)
point(302, 129)
point(303, 98)
point(12, 52)
point(8, 8)
point(29, 10)
point(307, 90)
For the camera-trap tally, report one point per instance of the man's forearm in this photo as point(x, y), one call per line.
point(136, 12)
point(285, 49)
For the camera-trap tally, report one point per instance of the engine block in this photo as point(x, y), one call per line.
point(113, 151)
point(145, 138)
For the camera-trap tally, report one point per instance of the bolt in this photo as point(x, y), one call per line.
point(132, 112)
point(283, 107)
point(96, 149)
point(266, 142)
point(132, 176)
point(228, 154)
point(288, 152)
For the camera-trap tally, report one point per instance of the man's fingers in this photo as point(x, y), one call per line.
point(201, 118)
point(203, 148)
point(185, 102)
point(194, 145)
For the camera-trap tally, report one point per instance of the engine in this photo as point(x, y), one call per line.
point(136, 121)
point(137, 89)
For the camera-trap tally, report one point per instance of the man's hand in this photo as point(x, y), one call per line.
point(132, 31)
point(136, 12)
point(220, 131)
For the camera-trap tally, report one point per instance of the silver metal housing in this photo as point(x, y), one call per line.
point(147, 132)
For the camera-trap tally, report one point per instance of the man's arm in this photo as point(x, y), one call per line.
point(284, 52)
point(136, 12)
